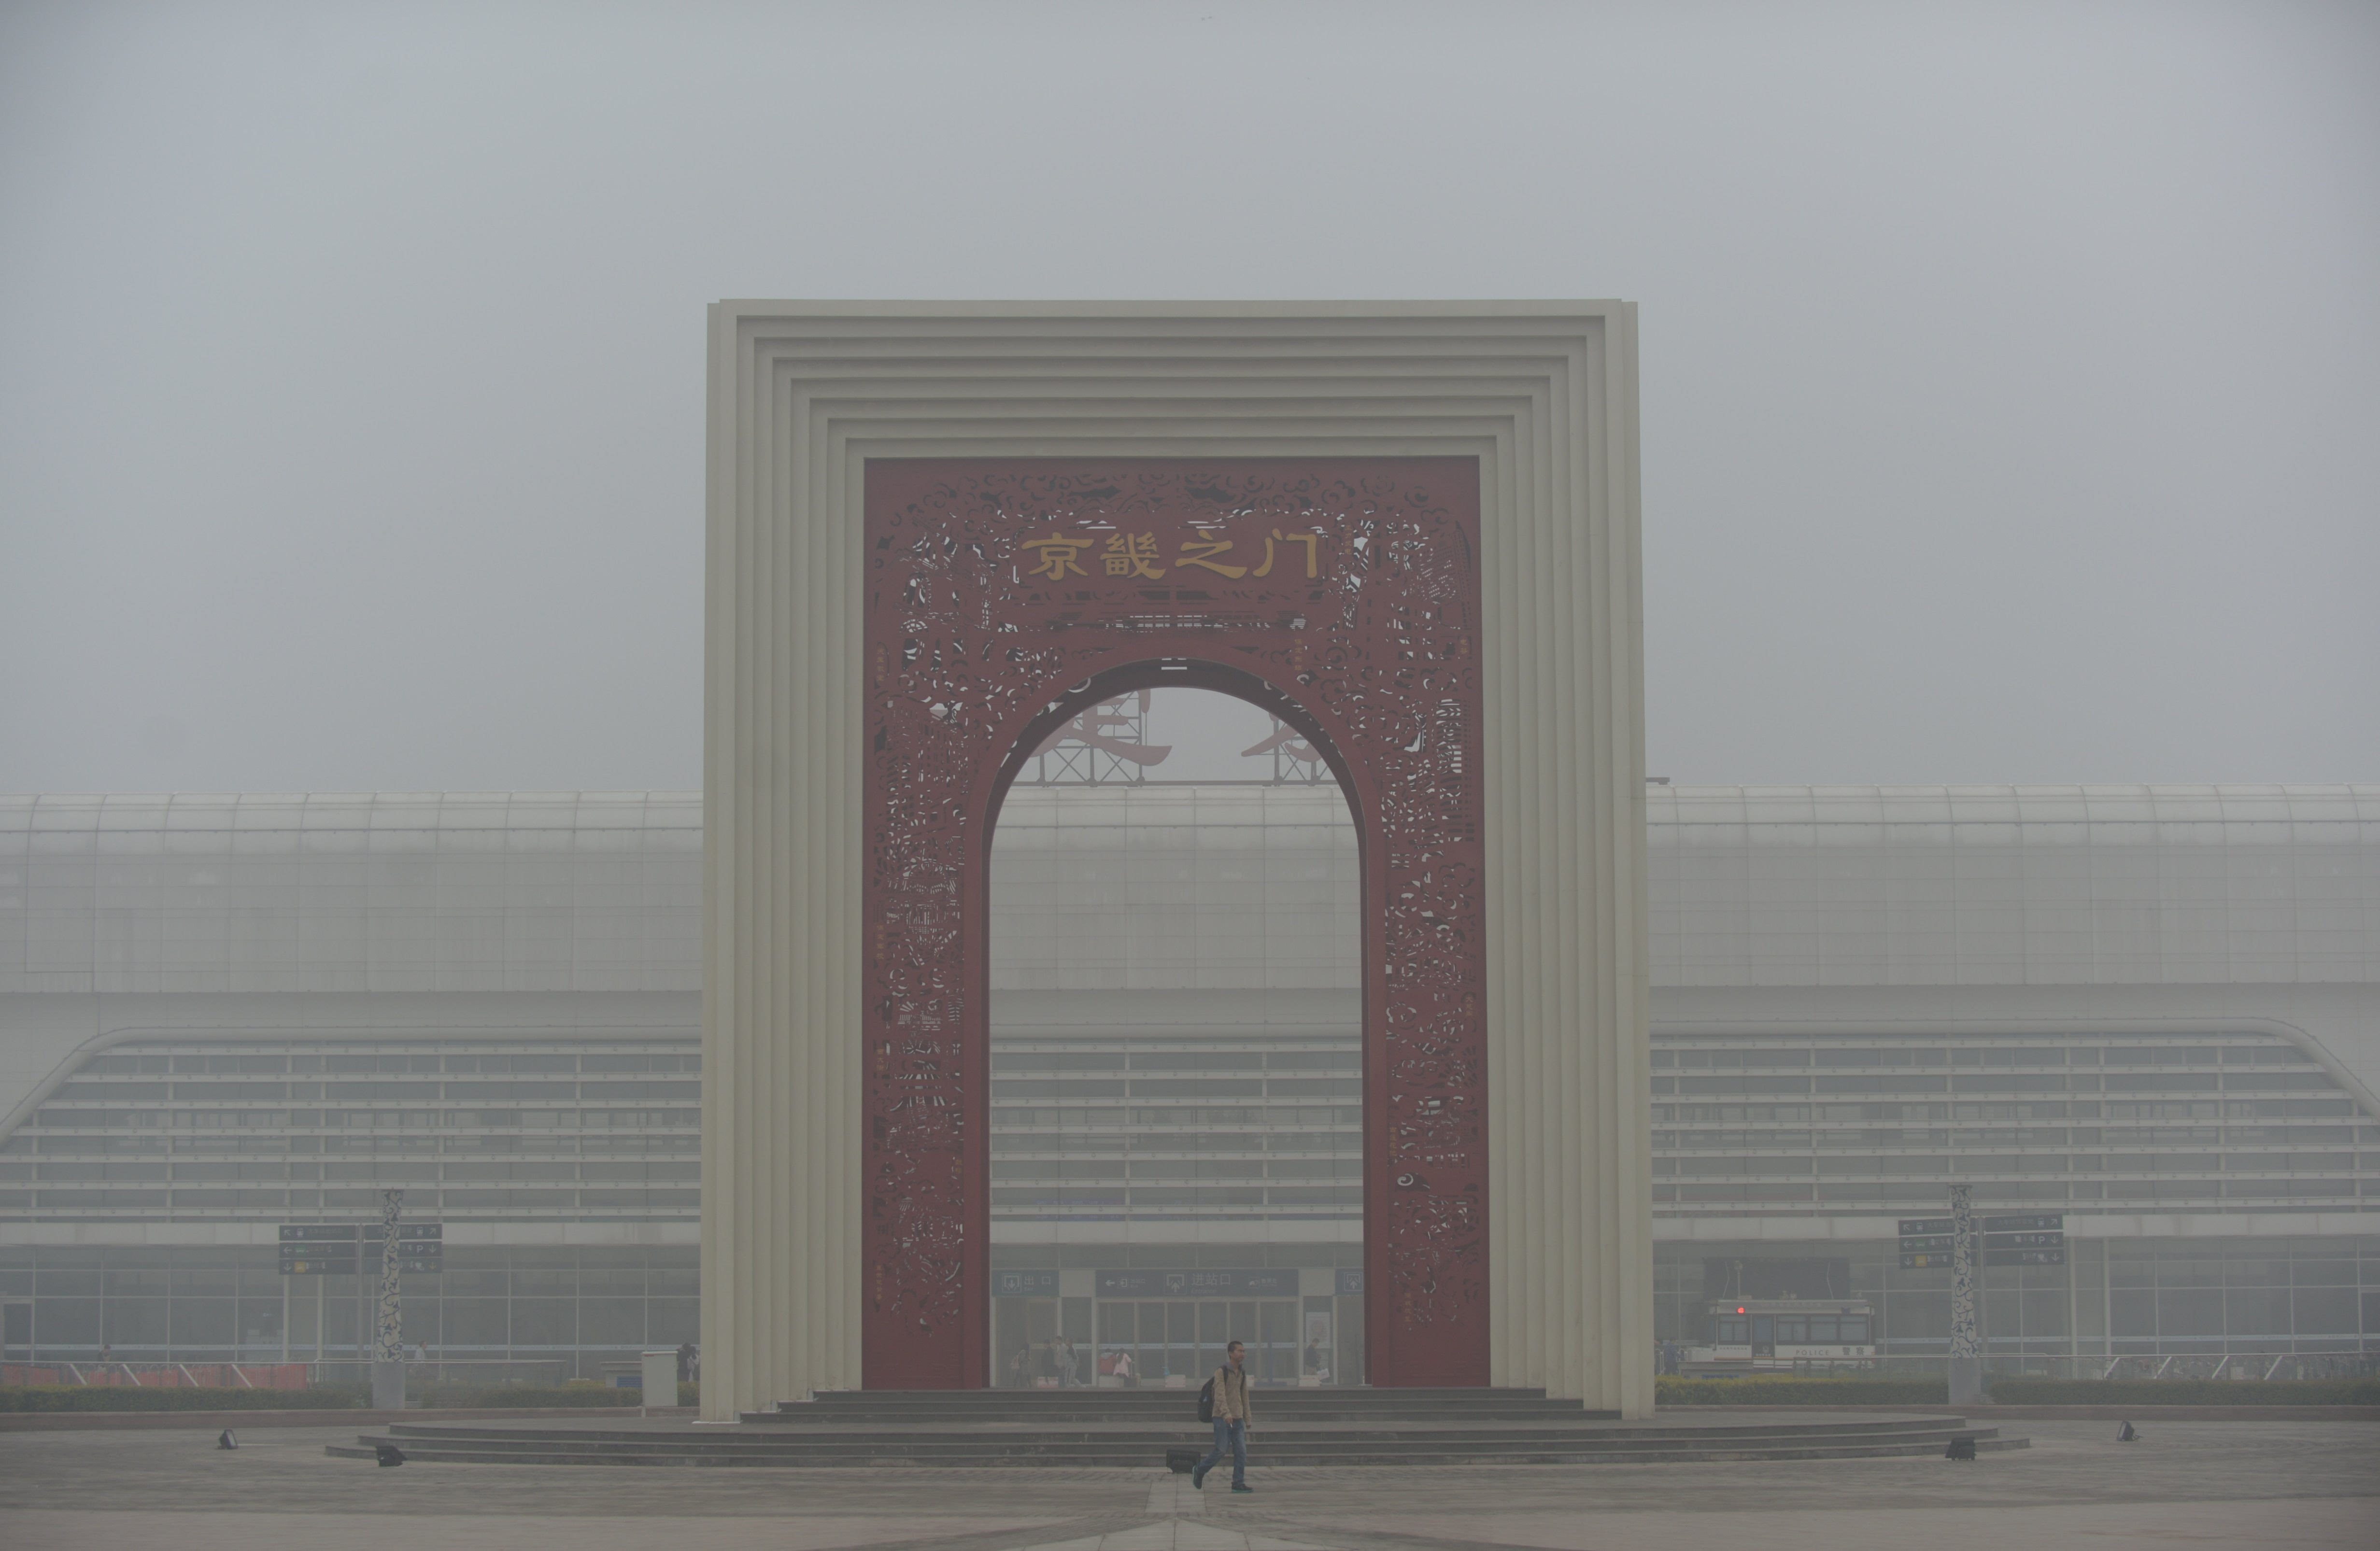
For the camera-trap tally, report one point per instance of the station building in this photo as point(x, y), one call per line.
point(2153, 1010)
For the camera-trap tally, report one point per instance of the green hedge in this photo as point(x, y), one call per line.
point(1786, 1389)
point(71, 1397)
point(462, 1395)
point(2185, 1392)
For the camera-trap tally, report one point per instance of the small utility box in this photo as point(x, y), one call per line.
point(660, 1376)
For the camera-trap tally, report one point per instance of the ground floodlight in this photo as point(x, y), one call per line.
point(224, 1440)
point(2127, 1433)
point(388, 1453)
point(1961, 1448)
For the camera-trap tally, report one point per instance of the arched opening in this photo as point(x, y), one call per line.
point(1176, 1051)
point(1354, 620)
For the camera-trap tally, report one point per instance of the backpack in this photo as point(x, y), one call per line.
point(1206, 1402)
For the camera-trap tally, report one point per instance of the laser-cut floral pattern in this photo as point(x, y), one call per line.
point(1348, 589)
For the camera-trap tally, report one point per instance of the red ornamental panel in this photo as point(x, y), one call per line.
point(1006, 596)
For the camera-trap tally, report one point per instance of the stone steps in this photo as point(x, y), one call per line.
point(1044, 1440)
point(1274, 1452)
point(975, 1430)
point(844, 1409)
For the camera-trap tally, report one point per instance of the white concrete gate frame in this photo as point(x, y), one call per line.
point(1542, 393)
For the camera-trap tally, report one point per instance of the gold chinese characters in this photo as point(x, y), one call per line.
point(1057, 555)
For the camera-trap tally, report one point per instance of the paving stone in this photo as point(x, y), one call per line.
point(2264, 1484)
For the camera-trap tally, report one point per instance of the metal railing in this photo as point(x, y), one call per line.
point(92, 1374)
point(2243, 1365)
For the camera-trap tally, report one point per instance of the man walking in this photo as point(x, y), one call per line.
point(1230, 1383)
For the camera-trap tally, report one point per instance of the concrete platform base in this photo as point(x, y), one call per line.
point(1096, 1429)
point(388, 1385)
point(2310, 1487)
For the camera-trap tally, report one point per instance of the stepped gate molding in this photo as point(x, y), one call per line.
point(937, 532)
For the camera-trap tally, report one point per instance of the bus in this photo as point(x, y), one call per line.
point(1783, 1335)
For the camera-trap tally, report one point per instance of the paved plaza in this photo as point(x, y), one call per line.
point(2199, 1484)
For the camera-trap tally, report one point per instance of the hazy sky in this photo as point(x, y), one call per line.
point(2011, 373)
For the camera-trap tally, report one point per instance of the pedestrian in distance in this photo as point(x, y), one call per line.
point(1231, 1414)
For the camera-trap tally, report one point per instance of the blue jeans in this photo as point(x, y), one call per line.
point(1233, 1436)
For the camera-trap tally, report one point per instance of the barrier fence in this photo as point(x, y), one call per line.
point(159, 1376)
point(96, 1374)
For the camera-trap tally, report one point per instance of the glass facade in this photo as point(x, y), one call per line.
point(2097, 1123)
point(1171, 1309)
point(508, 987)
point(517, 1312)
point(287, 1131)
point(1189, 1137)
point(1222, 1131)
point(2123, 1305)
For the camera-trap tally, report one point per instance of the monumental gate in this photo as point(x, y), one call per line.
point(940, 531)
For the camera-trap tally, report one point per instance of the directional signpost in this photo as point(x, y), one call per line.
point(318, 1249)
point(1948, 1244)
point(2031, 1238)
point(344, 1249)
point(1927, 1244)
